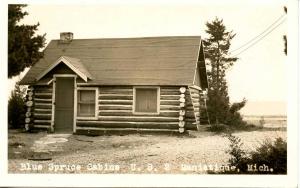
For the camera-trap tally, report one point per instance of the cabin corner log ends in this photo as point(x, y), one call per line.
point(39, 107)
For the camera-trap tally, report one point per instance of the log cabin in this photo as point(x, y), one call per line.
point(86, 86)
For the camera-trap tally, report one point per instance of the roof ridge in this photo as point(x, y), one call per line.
point(145, 37)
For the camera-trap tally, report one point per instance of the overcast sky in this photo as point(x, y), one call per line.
point(258, 75)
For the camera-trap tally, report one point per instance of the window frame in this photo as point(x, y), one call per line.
point(157, 101)
point(95, 117)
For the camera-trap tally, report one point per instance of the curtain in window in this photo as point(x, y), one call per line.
point(86, 103)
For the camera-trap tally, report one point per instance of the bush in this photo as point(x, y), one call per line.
point(218, 128)
point(269, 158)
point(17, 108)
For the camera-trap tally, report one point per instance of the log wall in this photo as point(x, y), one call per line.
point(115, 110)
point(42, 107)
point(178, 110)
point(193, 107)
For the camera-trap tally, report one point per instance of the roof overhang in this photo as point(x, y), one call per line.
point(68, 63)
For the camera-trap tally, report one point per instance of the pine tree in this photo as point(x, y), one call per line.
point(23, 43)
point(217, 54)
point(16, 107)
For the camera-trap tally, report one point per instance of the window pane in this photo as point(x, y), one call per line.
point(86, 110)
point(146, 100)
point(86, 103)
point(86, 95)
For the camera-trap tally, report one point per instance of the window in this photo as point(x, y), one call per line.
point(86, 102)
point(146, 100)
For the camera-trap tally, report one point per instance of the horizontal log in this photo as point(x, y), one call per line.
point(169, 102)
point(115, 87)
point(42, 100)
point(129, 124)
point(190, 114)
point(115, 97)
point(169, 92)
point(195, 92)
point(41, 110)
point(114, 107)
point(169, 97)
point(44, 95)
point(127, 102)
point(42, 126)
point(42, 116)
point(43, 105)
point(42, 122)
point(188, 105)
point(190, 120)
point(43, 90)
point(129, 113)
point(113, 92)
point(138, 118)
point(195, 95)
point(169, 107)
point(194, 100)
point(169, 87)
point(116, 91)
point(122, 131)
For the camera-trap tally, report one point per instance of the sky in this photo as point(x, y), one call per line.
point(260, 73)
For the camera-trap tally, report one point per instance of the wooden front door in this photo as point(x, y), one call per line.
point(64, 104)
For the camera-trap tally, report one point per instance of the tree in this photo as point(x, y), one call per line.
point(16, 107)
point(219, 60)
point(23, 42)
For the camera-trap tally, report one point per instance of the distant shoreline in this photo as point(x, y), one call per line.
point(265, 116)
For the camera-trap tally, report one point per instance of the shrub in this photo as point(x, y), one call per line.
point(218, 128)
point(272, 157)
point(16, 107)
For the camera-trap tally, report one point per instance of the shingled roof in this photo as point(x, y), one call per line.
point(126, 61)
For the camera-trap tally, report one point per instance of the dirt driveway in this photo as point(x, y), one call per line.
point(130, 153)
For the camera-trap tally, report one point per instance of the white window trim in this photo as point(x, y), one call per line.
point(96, 103)
point(134, 99)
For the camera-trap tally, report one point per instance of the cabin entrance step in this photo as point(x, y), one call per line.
point(45, 146)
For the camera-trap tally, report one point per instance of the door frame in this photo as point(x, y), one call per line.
point(53, 99)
